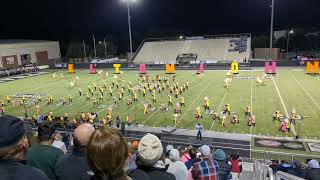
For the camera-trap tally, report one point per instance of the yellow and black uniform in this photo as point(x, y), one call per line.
point(176, 93)
point(146, 110)
point(70, 98)
point(206, 104)
point(144, 92)
point(87, 97)
point(170, 101)
point(39, 98)
point(110, 91)
point(2, 111)
point(120, 96)
point(24, 100)
point(101, 97)
point(182, 101)
point(248, 110)
point(154, 100)
point(80, 92)
point(227, 109)
point(135, 98)
point(8, 99)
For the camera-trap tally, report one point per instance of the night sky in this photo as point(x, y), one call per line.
point(74, 20)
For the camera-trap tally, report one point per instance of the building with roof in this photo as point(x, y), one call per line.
point(15, 53)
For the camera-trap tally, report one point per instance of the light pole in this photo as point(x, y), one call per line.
point(288, 39)
point(129, 25)
point(271, 30)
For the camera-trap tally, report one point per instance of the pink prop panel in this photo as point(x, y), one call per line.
point(267, 68)
point(143, 68)
point(274, 67)
point(270, 69)
point(92, 69)
point(201, 68)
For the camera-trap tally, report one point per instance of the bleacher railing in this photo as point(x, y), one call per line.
point(272, 155)
point(285, 176)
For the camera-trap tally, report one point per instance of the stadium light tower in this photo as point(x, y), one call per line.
point(288, 38)
point(129, 23)
point(271, 30)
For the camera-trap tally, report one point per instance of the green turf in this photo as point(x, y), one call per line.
point(265, 99)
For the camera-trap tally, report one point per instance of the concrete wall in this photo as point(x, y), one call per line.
point(263, 53)
point(11, 49)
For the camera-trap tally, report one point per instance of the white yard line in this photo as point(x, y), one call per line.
point(224, 96)
point(194, 101)
point(159, 108)
point(283, 105)
point(304, 89)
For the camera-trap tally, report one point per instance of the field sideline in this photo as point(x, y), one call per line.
point(288, 90)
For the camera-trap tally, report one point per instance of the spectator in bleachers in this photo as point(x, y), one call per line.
point(313, 171)
point(185, 156)
point(193, 156)
point(206, 168)
point(236, 166)
point(133, 155)
point(150, 151)
point(169, 147)
point(296, 169)
point(13, 146)
point(107, 153)
point(58, 143)
point(284, 166)
point(177, 167)
point(224, 165)
point(76, 166)
point(43, 155)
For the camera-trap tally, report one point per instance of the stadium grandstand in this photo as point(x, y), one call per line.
point(192, 50)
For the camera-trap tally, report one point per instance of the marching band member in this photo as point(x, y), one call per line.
point(198, 113)
point(227, 109)
point(182, 101)
point(80, 92)
point(276, 115)
point(206, 103)
point(8, 99)
point(170, 101)
point(248, 110)
point(251, 120)
point(178, 108)
point(224, 122)
point(146, 110)
point(154, 100)
point(234, 119)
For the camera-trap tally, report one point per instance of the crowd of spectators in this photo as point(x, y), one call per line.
point(309, 171)
point(17, 71)
point(104, 154)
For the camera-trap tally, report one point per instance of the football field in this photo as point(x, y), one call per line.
point(289, 90)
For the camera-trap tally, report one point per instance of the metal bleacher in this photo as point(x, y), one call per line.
point(207, 48)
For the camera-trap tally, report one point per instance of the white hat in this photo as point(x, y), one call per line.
point(150, 149)
point(169, 148)
point(174, 155)
point(205, 150)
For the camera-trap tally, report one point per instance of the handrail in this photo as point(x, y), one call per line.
point(285, 176)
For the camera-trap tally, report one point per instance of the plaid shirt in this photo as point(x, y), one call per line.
point(205, 170)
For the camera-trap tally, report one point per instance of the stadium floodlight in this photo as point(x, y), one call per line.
point(100, 42)
point(129, 23)
point(180, 37)
point(291, 31)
